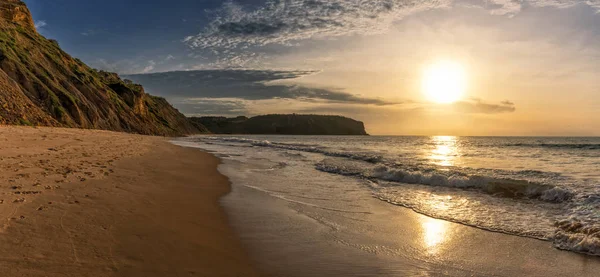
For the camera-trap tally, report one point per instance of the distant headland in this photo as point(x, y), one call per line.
point(282, 124)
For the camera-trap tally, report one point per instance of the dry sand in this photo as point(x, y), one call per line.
point(97, 203)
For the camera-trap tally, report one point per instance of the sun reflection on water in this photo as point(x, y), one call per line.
point(445, 150)
point(434, 234)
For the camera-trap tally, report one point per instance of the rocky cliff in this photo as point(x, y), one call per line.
point(42, 85)
point(292, 124)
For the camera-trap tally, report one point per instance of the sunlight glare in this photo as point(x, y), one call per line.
point(434, 234)
point(444, 82)
point(445, 150)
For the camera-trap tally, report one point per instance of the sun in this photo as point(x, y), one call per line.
point(444, 82)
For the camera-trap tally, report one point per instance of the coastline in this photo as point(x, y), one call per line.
point(115, 205)
point(401, 242)
point(297, 221)
point(130, 205)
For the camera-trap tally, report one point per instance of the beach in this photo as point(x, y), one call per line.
point(299, 138)
point(392, 241)
point(97, 203)
point(297, 218)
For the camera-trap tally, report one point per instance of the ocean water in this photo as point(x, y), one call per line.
point(544, 188)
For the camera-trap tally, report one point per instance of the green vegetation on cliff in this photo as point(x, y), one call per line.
point(42, 85)
point(292, 124)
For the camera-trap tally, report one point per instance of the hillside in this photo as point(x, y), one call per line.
point(42, 85)
point(283, 125)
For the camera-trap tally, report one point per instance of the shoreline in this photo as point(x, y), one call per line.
point(116, 205)
point(130, 205)
point(329, 225)
point(405, 241)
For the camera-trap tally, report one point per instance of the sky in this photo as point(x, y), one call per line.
point(531, 67)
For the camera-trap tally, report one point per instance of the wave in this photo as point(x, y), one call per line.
point(490, 185)
point(494, 182)
point(580, 232)
point(578, 236)
point(528, 202)
point(303, 148)
point(539, 204)
point(583, 146)
point(577, 225)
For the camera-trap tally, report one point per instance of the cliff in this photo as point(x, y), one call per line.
point(283, 125)
point(42, 85)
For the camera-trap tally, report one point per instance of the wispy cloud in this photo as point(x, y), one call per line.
point(247, 92)
point(286, 21)
point(237, 35)
point(149, 67)
point(478, 106)
point(594, 4)
point(513, 7)
point(209, 106)
point(138, 65)
point(40, 23)
point(90, 32)
point(247, 85)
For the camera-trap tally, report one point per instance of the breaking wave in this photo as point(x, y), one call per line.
point(490, 185)
point(583, 146)
point(303, 148)
point(572, 225)
point(527, 202)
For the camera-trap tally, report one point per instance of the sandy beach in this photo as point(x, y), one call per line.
point(297, 138)
point(96, 203)
point(296, 220)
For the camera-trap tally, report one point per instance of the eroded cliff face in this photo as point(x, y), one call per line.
point(42, 85)
point(15, 12)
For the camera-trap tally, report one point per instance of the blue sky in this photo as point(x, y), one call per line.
point(532, 66)
point(122, 35)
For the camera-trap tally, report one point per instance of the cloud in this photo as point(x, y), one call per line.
point(97, 32)
point(125, 66)
point(252, 92)
point(245, 84)
point(208, 106)
point(513, 7)
point(240, 35)
point(149, 67)
point(120, 66)
point(90, 32)
point(478, 106)
point(594, 4)
point(40, 23)
point(285, 21)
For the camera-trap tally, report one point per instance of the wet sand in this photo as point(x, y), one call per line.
point(334, 227)
point(96, 203)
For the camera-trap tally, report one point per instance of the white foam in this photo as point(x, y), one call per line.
point(579, 236)
point(527, 202)
point(491, 185)
point(303, 148)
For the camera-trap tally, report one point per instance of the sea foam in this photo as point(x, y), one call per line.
point(526, 202)
point(491, 185)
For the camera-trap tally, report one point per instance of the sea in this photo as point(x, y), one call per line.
point(547, 188)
